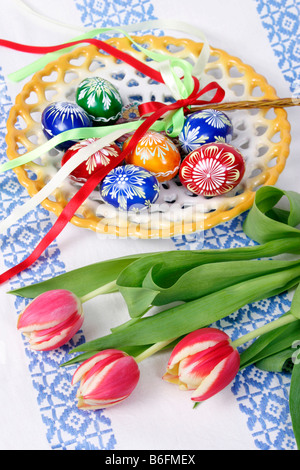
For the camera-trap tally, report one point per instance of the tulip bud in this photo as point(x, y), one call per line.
point(203, 361)
point(106, 379)
point(51, 319)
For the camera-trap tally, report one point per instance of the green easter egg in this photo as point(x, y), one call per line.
point(100, 99)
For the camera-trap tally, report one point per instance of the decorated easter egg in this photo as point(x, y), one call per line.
point(129, 187)
point(156, 153)
point(212, 169)
point(96, 160)
point(208, 125)
point(62, 116)
point(100, 99)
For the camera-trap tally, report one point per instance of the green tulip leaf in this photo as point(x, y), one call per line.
point(138, 299)
point(209, 278)
point(271, 343)
point(80, 281)
point(275, 362)
point(168, 277)
point(295, 306)
point(265, 222)
point(294, 400)
point(130, 350)
point(182, 319)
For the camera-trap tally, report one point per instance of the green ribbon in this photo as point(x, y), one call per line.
point(74, 134)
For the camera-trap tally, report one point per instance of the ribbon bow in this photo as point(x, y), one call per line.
point(161, 108)
point(154, 110)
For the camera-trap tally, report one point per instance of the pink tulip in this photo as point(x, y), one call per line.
point(203, 361)
point(105, 379)
point(51, 319)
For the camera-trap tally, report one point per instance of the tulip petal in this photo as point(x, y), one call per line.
point(173, 379)
point(193, 369)
point(56, 329)
point(49, 309)
point(122, 375)
point(48, 342)
point(219, 377)
point(106, 379)
point(97, 405)
point(204, 361)
point(87, 365)
point(194, 342)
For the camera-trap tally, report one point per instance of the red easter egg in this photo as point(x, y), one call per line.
point(88, 167)
point(212, 169)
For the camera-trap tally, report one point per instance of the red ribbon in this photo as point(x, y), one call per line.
point(157, 110)
point(192, 100)
point(121, 55)
point(65, 216)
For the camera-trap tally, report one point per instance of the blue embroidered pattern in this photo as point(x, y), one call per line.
point(281, 19)
point(97, 13)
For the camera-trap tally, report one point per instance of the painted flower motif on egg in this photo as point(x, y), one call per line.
point(96, 160)
point(62, 116)
point(100, 99)
point(129, 187)
point(203, 127)
point(156, 153)
point(212, 169)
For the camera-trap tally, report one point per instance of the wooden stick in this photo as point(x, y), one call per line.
point(234, 105)
point(251, 104)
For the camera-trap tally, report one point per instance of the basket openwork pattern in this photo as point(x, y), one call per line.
point(262, 136)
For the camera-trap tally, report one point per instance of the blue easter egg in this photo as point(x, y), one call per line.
point(129, 187)
point(208, 125)
point(62, 116)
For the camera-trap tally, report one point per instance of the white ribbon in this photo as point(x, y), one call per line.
point(82, 155)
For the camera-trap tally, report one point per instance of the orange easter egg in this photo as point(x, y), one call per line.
point(156, 153)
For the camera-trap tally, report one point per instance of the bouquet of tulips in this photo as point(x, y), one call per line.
point(206, 286)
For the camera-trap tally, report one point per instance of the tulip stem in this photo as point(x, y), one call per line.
point(284, 320)
point(153, 349)
point(106, 289)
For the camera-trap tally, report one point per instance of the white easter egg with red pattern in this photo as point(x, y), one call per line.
point(101, 158)
point(213, 169)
